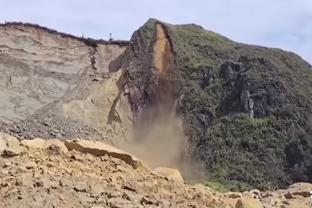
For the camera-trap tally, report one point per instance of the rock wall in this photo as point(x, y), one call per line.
point(54, 84)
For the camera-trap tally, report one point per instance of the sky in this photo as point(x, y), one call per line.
point(285, 24)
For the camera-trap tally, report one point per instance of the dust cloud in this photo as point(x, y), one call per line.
point(159, 140)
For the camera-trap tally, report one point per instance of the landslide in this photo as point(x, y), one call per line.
point(246, 110)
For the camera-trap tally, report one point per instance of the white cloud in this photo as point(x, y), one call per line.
point(279, 23)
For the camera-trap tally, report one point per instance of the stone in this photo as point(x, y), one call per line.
point(247, 202)
point(256, 192)
point(55, 145)
point(301, 189)
point(170, 173)
point(97, 189)
point(98, 149)
point(9, 145)
point(36, 143)
point(288, 195)
point(233, 195)
point(81, 187)
point(120, 202)
point(30, 165)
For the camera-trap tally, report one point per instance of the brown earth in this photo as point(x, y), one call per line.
point(36, 174)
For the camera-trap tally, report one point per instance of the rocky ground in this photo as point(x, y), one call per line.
point(53, 173)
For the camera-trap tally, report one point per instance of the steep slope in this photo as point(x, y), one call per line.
point(246, 109)
point(54, 84)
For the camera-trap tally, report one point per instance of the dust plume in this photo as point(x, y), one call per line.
point(159, 140)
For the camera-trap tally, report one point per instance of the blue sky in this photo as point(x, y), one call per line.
point(285, 24)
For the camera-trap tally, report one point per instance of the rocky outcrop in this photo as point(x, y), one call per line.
point(100, 149)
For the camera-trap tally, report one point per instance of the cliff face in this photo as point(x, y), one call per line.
point(53, 84)
point(246, 109)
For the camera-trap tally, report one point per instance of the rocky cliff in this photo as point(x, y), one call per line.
point(54, 84)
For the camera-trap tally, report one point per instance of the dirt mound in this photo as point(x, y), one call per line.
point(44, 175)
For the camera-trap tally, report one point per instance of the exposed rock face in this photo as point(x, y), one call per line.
point(53, 84)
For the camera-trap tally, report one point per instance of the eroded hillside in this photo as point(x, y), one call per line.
point(54, 84)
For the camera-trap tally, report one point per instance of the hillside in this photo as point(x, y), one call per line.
point(222, 112)
point(246, 109)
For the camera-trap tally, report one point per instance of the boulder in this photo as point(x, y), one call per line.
point(9, 145)
point(36, 143)
point(233, 195)
point(97, 148)
point(247, 202)
point(300, 189)
point(55, 144)
point(170, 173)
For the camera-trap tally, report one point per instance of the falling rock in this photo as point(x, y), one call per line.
point(97, 148)
point(247, 202)
point(55, 144)
point(170, 173)
point(9, 145)
point(36, 143)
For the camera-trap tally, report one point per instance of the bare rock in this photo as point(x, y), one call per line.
point(81, 187)
point(301, 189)
point(120, 202)
point(170, 173)
point(9, 145)
point(36, 143)
point(56, 145)
point(30, 165)
point(233, 195)
point(100, 149)
point(247, 202)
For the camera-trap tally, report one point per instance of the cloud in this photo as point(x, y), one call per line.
point(279, 23)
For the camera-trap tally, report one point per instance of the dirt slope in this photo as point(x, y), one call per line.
point(45, 174)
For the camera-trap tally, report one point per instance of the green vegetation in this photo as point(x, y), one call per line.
point(247, 110)
point(217, 186)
